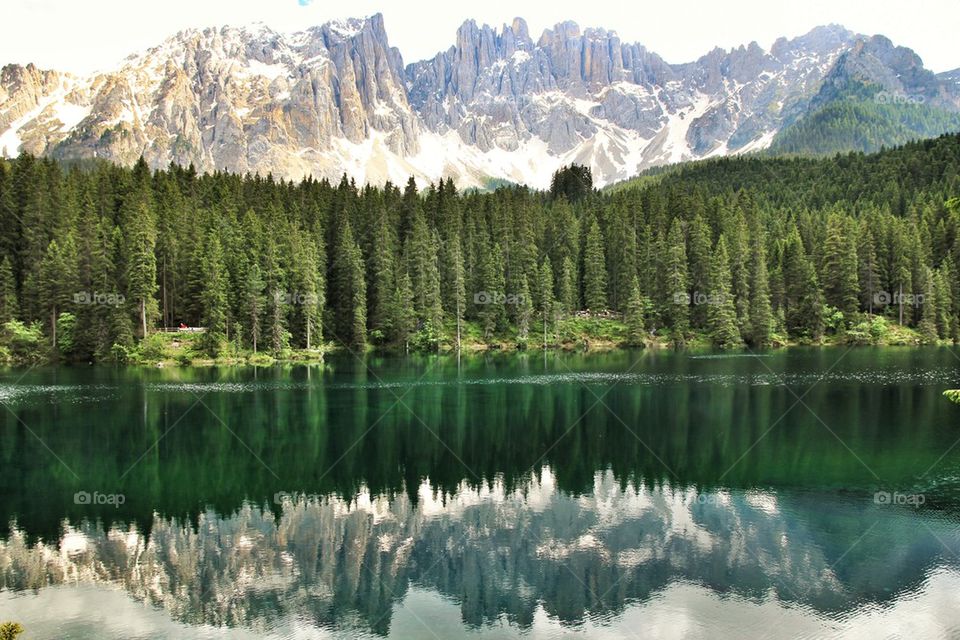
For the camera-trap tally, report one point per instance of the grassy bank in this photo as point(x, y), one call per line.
point(582, 332)
point(26, 345)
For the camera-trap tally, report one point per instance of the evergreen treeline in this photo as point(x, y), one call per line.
point(864, 120)
point(744, 250)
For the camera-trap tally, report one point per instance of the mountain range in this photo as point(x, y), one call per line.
point(497, 105)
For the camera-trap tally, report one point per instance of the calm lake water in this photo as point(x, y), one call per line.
point(801, 493)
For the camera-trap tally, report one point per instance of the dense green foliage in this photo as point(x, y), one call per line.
point(341, 431)
point(755, 250)
point(863, 126)
point(573, 183)
point(863, 117)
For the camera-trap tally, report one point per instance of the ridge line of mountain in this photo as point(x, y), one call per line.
point(338, 98)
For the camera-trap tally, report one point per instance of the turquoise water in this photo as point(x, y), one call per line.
point(798, 493)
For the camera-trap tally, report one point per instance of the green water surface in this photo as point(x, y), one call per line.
point(796, 493)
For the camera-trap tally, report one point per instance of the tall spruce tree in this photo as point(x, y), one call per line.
point(928, 307)
point(57, 281)
point(594, 270)
point(253, 304)
point(841, 281)
point(633, 317)
point(803, 302)
point(546, 303)
point(214, 295)
point(675, 301)
point(700, 261)
point(9, 306)
point(568, 285)
point(760, 324)
point(524, 304)
point(721, 312)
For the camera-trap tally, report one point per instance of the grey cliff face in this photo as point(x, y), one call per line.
point(498, 103)
point(235, 99)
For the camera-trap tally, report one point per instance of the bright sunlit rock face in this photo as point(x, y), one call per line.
point(504, 104)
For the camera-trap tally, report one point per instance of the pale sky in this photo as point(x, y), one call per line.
point(81, 36)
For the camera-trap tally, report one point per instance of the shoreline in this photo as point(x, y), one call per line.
point(577, 334)
point(318, 356)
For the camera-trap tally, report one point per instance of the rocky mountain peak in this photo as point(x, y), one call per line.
point(338, 98)
point(896, 71)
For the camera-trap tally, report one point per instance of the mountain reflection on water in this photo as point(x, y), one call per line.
point(498, 554)
point(499, 499)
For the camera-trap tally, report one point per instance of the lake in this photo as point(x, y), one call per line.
point(796, 493)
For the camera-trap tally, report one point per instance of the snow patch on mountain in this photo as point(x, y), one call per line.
point(70, 115)
point(269, 71)
point(10, 140)
point(338, 99)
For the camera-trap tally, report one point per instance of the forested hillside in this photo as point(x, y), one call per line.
point(747, 250)
point(876, 96)
point(863, 124)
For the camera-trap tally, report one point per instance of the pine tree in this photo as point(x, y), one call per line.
point(840, 276)
point(382, 269)
point(405, 319)
point(9, 307)
point(57, 281)
point(803, 303)
point(594, 270)
point(901, 276)
point(573, 182)
point(33, 210)
point(142, 267)
point(869, 273)
point(562, 238)
point(760, 318)
point(109, 279)
point(675, 304)
point(741, 242)
point(349, 290)
point(928, 307)
point(636, 331)
point(524, 311)
point(700, 260)
point(546, 304)
point(568, 285)
point(424, 272)
point(254, 301)
point(458, 290)
point(621, 258)
point(214, 296)
point(275, 321)
point(946, 321)
point(310, 294)
point(490, 299)
point(358, 329)
point(721, 312)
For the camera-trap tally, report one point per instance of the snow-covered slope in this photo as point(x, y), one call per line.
point(338, 99)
